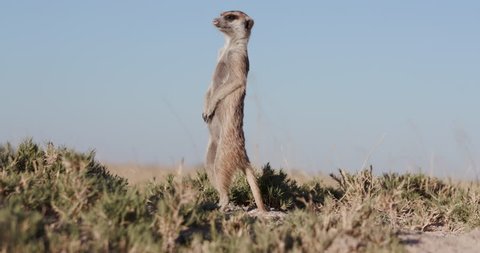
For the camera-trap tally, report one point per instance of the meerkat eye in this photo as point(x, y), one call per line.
point(230, 17)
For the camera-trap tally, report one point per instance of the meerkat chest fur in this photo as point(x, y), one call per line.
point(232, 69)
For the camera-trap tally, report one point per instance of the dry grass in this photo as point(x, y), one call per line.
point(57, 200)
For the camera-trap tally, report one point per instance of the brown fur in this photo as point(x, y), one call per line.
point(223, 110)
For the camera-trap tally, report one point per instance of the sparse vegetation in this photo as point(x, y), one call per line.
point(57, 200)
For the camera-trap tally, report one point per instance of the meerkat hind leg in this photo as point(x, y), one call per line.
point(211, 152)
point(223, 185)
point(210, 161)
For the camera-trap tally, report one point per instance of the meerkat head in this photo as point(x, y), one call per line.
point(235, 24)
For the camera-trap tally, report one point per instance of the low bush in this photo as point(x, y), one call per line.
point(53, 199)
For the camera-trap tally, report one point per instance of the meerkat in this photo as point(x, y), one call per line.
point(223, 110)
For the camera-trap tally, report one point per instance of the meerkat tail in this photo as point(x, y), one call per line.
point(252, 181)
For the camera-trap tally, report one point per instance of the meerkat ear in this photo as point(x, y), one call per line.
point(249, 24)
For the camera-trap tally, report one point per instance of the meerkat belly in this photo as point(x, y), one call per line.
point(232, 127)
point(232, 108)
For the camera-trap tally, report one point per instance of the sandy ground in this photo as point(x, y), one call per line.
point(139, 173)
point(442, 242)
point(414, 242)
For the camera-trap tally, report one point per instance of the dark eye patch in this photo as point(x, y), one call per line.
point(230, 17)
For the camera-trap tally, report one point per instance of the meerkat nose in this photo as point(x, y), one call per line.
point(215, 21)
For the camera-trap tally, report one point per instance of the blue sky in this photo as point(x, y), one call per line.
point(333, 84)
